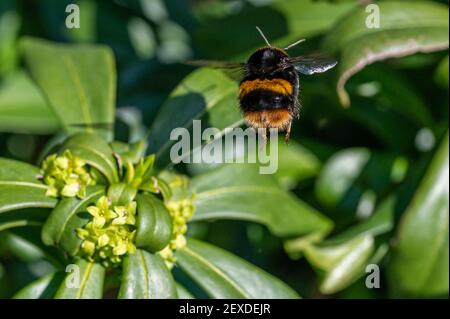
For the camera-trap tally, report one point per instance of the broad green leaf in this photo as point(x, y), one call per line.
point(154, 224)
point(339, 174)
point(43, 288)
point(419, 264)
point(84, 280)
point(9, 28)
point(95, 151)
point(79, 82)
point(222, 275)
point(23, 108)
point(66, 210)
point(207, 95)
point(239, 192)
point(295, 163)
point(406, 27)
point(352, 180)
point(343, 264)
point(146, 276)
point(20, 187)
point(183, 293)
point(282, 22)
point(382, 221)
point(23, 217)
point(30, 237)
point(441, 74)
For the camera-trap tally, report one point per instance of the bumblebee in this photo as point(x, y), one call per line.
point(269, 89)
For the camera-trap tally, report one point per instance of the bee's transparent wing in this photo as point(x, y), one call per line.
point(235, 70)
point(312, 65)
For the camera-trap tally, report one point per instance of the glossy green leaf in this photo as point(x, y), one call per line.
point(20, 187)
point(342, 264)
point(295, 163)
point(42, 288)
point(405, 28)
point(84, 280)
point(146, 276)
point(95, 151)
point(121, 194)
point(79, 81)
point(183, 293)
point(23, 217)
point(352, 180)
point(62, 218)
point(222, 275)
point(239, 192)
point(29, 239)
point(207, 95)
point(154, 224)
point(381, 222)
point(419, 264)
point(339, 174)
point(23, 108)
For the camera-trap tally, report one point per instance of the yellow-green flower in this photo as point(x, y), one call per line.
point(180, 211)
point(110, 234)
point(65, 175)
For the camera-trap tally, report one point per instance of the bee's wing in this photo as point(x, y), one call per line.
point(310, 65)
point(216, 64)
point(235, 70)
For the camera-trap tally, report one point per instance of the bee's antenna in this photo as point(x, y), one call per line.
point(263, 36)
point(294, 44)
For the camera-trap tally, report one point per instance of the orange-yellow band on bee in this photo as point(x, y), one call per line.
point(275, 85)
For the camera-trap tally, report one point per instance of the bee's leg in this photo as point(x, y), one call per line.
point(288, 133)
point(263, 134)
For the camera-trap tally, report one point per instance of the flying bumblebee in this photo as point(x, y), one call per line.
point(269, 89)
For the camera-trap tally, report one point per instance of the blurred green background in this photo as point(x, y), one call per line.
point(379, 148)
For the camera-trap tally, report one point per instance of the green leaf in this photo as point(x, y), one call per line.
point(79, 81)
point(154, 224)
point(239, 192)
point(95, 151)
point(183, 293)
point(43, 288)
point(343, 264)
point(63, 218)
point(441, 74)
point(9, 28)
point(146, 276)
point(419, 264)
point(23, 217)
point(283, 22)
point(23, 108)
point(339, 174)
point(207, 95)
point(405, 28)
point(223, 275)
point(381, 222)
point(83, 281)
point(295, 163)
point(352, 180)
point(20, 187)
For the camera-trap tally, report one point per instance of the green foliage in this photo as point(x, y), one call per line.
point(362, 185)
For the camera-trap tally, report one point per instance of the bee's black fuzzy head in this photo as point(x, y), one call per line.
point(267, 60)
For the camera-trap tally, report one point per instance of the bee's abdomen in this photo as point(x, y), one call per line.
point(265, 94)
point(277, 86)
